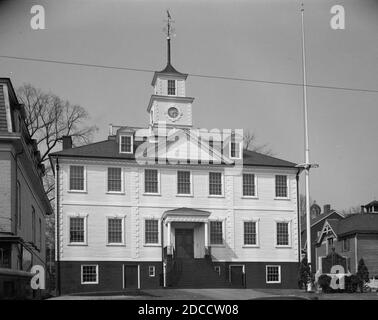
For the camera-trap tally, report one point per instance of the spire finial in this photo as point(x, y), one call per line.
point(169, 32)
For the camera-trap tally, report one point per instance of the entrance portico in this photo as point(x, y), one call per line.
point(187, 233)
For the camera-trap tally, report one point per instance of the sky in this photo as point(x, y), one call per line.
point(258, 39)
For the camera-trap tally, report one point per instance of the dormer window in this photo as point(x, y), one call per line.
point(126, 144)
point(171, 87)
point(235, 148)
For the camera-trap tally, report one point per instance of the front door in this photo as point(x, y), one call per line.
point(184, 243)
point(131, 276)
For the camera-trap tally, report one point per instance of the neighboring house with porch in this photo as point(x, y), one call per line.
point(23, 202)
point(354, 237)
point(317, 223)
point(167, 206)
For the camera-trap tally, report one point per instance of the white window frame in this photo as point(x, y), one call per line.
point(122, 181)
point(287, 187)
point(97, 274)
point(153, 273)
point(176, 88)
point(208, 185)
point(256, 221)
point(242, 186)
point(69, 179)
point(85, 217)
point(191, 185)
point(289, 231)
point(144, 183)
point(240, 149)
point(279, 273)
point(116, 244)
point(131, 144)
point(158, 244)
point(223, 244)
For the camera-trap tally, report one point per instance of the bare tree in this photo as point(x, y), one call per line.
point(250, 143)
point(48, 118)
point(351, 210)
point(302, 204)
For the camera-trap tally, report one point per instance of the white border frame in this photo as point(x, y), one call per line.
point(116, 244)
point(69, 178)
point(257, 222)
point(158, 244)
point(176, 88)
point(144, 183)
point(208, 184)
point(131, 136)
point(97, 274)
point(77, 215)
point(240, 150)
point(154, 271)
point(191, 184)
point(279, 274)
point(287, 187)
point(223, 244)
point(122, 181)
point(256, 196)
point(289, 222)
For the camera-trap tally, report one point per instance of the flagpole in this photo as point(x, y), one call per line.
point(307, 154)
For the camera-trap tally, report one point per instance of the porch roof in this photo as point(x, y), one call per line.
point(186, 213)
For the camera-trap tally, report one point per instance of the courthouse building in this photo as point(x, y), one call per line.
point(166, 206)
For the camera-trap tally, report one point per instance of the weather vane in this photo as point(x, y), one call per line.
point(169, 29)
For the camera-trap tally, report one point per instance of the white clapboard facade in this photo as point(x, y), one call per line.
point(171, 206)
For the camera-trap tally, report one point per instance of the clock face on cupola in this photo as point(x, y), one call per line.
point(169, 104)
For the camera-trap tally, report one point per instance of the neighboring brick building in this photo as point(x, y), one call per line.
point(353, 237)
point(23, 202)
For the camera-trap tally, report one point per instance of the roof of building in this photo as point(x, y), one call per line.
point(187, 211)
point(109, 149)
point(372, 203)
point(355, 223)
point(318, 219)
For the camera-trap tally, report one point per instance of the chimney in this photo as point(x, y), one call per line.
point(67, 142)
point(327, 208)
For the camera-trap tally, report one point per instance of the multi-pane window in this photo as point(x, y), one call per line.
point(171, 87)
point(281, 186)
point(77, 231)
point(151, 271)
point(115, 230)
point(151, 181)
point(234, 148)
point(89, 274)
point(151, 231)
point(215, 183)
point(126, 144)
point(249, 188)
point(183, 182)
point(216, 232)
point(282, 233)
point(273, 274)
point(250, 233)
point(76, 178)
point(114, 179)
